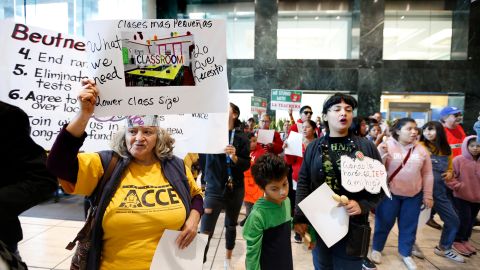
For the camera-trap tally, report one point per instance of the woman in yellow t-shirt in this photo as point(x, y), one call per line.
point(149, 190)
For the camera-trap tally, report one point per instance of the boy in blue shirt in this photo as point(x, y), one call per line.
point(267, 230)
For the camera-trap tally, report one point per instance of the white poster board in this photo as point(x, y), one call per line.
point(294, 144)
point(265, 136)
point(330, 220)
point(41, 72)
point(168, 256)
point(44, 81)
point(158, 66)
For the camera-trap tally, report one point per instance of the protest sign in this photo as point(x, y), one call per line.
point(294, 144)
point(265, 136)
point(258, 105)
point(158, 66)
point(330, 220)
point(285, 99)
point(168, 256)
point(194, 132)
point(43, 70)
point(365, 173)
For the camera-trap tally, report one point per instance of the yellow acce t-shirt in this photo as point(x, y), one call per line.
point(144, 205)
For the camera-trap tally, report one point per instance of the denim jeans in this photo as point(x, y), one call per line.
point(406, 210)
point(232, 204)
point(335, 257)
point(467, 212)
point(442, 204)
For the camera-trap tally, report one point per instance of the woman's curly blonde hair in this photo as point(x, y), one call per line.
point(163, 147)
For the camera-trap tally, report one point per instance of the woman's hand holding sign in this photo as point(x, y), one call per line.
point(352, 206)
point(88, 96)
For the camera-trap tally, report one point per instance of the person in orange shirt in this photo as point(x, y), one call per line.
point(252, 191)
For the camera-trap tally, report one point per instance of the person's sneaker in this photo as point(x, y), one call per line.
point(367, 264)
point(470, 247)
point(409, 263)
point(376, 257)
point(432, 223)
point(227, 264)
point(449, 254)
point(461, 249)
point(417, 252)
point(297, 238)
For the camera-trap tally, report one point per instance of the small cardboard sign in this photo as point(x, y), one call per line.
point(258, 105)
point(368, 174)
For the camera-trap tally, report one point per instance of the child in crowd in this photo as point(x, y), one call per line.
point(411, 184)
point(268, 230)
point(435, 141)
point(252, 191)
point(476, 128)
point(374, 132)
point(466, 192)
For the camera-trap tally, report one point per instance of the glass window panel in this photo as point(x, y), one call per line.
point(317, 30)
point(240, 24)
point(314, 38)
point(70, 16)
point(243, 101)
point(119, 9)
point(417, 35)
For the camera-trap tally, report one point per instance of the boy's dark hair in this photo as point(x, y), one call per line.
point(441, 143)
point(250, 135)
point(398, 124)
point(268, 168)
point(336, 99)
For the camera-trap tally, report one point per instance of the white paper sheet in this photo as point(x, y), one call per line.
point(294, 144)
point(323, 212)
point(169, 257)
point(265, 136)
point(423, 217)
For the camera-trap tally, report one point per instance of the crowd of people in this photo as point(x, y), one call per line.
point(433, 166)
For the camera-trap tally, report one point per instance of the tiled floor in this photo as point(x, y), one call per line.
point(44, 244)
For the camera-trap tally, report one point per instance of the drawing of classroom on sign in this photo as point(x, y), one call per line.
point(151, 60)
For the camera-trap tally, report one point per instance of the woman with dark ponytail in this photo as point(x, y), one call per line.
point(224, 184)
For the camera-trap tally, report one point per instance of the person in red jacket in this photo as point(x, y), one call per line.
point(276, 146)
point(306, 113)
point(451, 118)
point(309, 134)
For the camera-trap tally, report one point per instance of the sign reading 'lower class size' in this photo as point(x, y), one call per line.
point(285, 99)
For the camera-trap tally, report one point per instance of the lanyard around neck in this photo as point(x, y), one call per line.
point(229, 160)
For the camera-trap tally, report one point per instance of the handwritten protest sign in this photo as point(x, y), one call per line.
point(285, 99)
point(258, 105)
point(42, 72)
point(366, 173)
point(158, 66)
